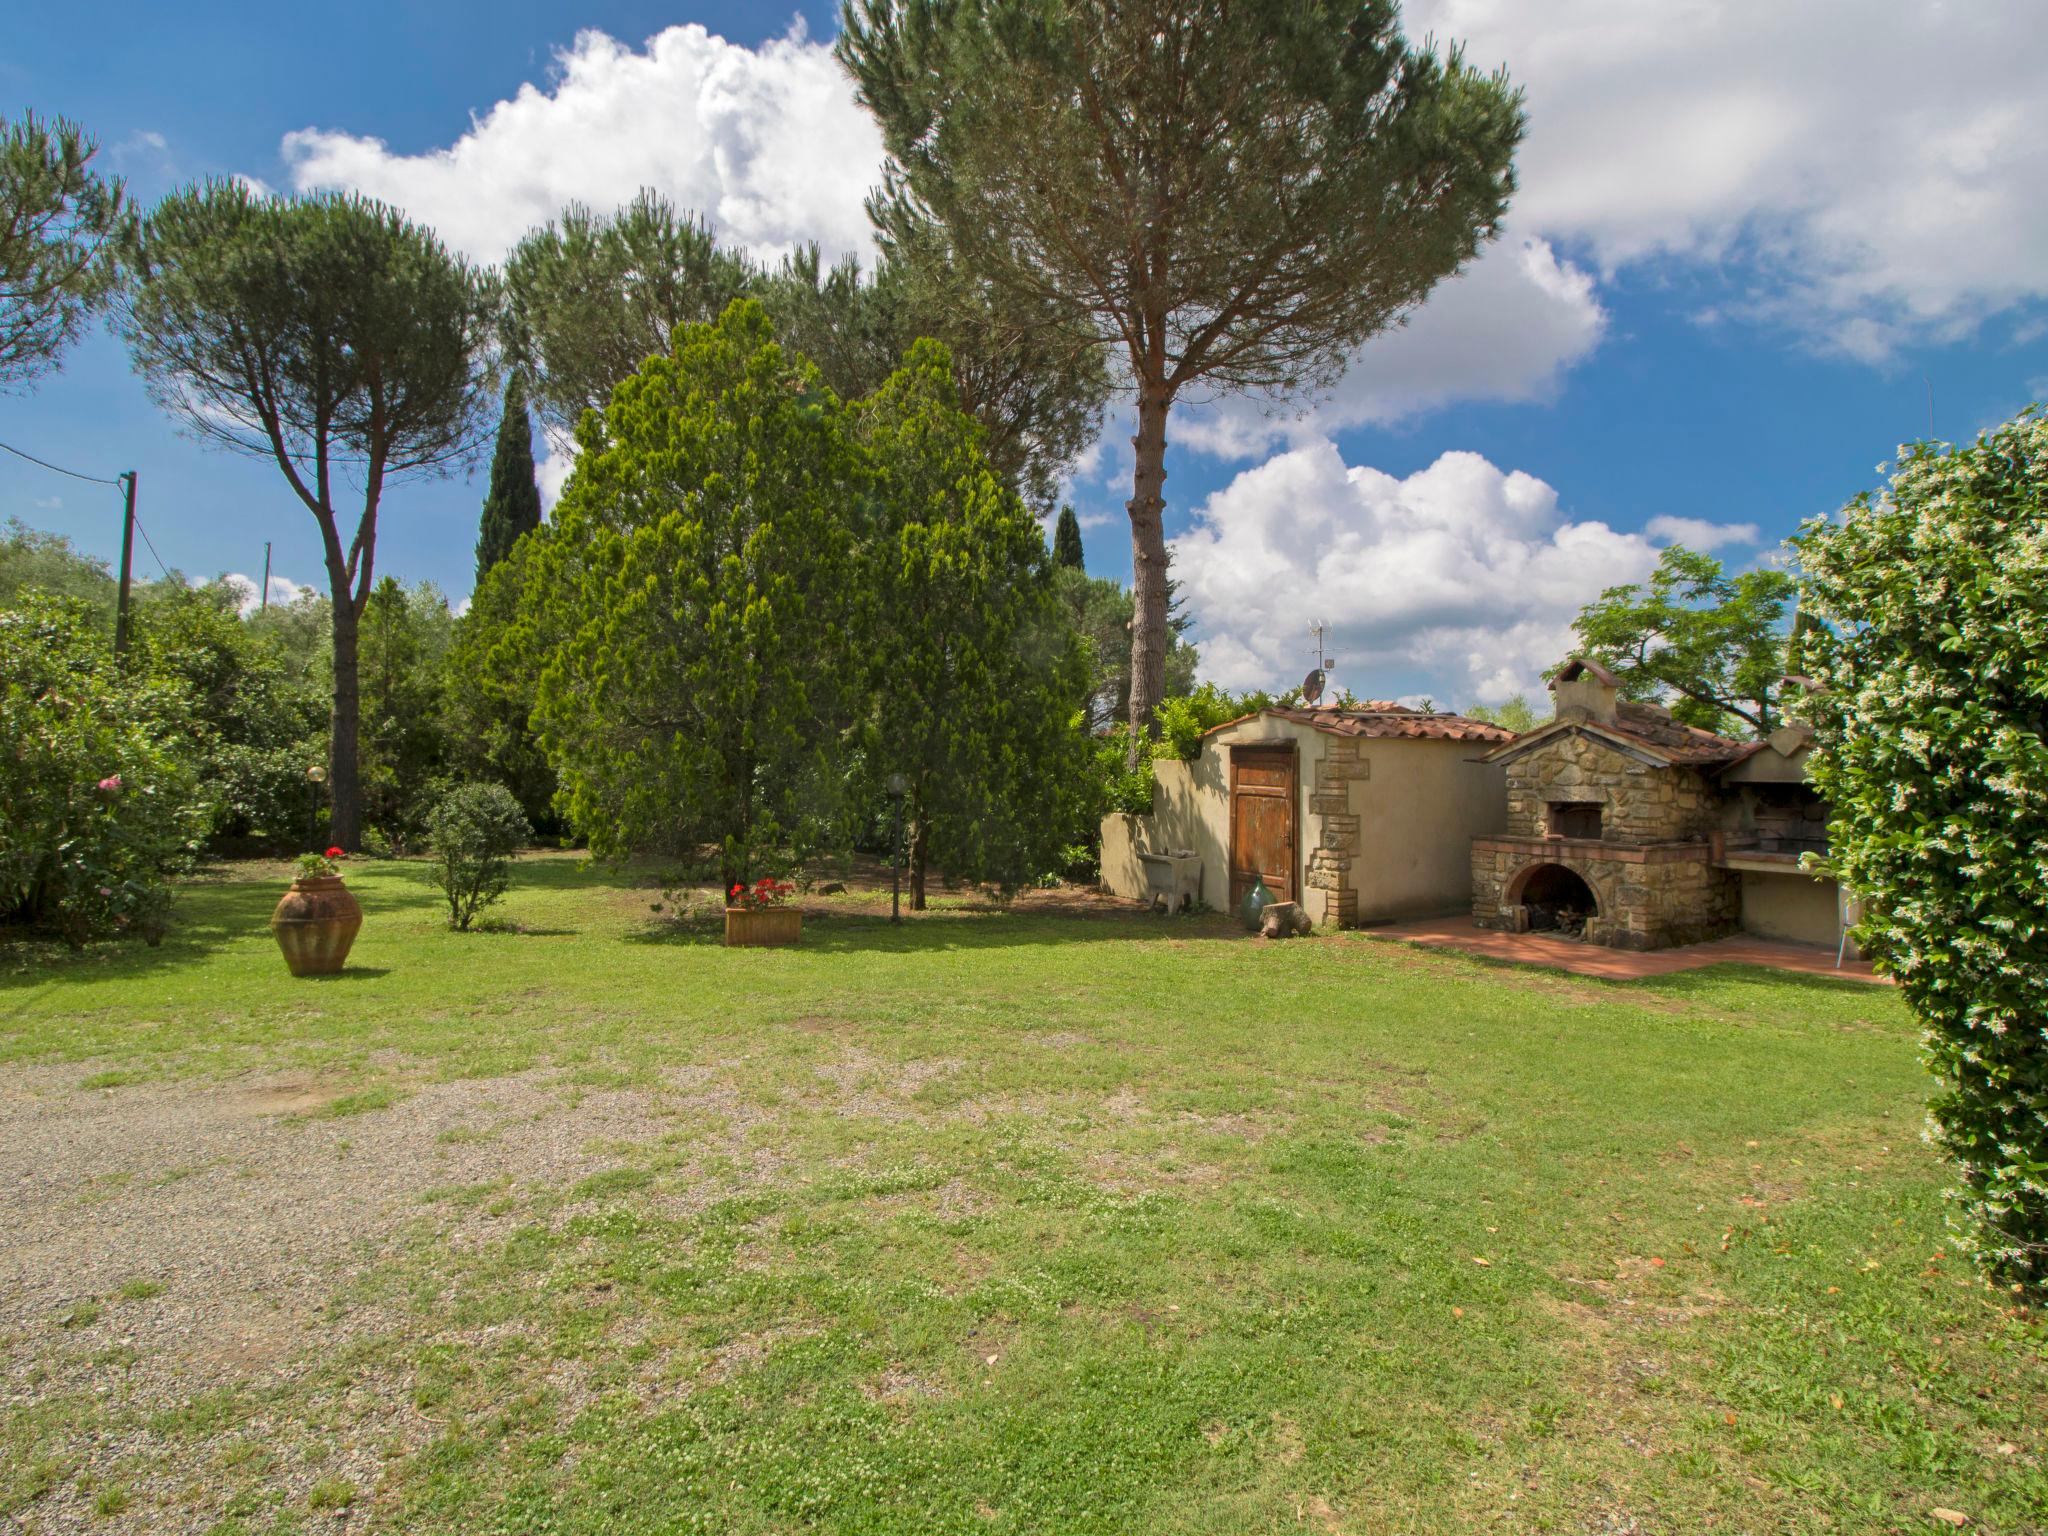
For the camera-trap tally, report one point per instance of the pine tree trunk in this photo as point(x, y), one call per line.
point(920, 850)
point(1148, 562)
point(344, 778)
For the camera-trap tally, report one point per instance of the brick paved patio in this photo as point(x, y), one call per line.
point(1619, 964)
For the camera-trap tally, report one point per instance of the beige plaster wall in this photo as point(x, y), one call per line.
point(1794, 908)
point(1418, 810)
point(1191, 809)
point(1122, 874)
point(1384, 827)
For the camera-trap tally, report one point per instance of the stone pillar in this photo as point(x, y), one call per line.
point(1333, 899)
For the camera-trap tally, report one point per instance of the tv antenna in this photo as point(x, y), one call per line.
point(1312, 686)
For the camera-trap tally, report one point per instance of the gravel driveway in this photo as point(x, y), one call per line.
point(162, 1240)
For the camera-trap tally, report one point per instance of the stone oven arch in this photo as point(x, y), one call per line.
point(1554, 895)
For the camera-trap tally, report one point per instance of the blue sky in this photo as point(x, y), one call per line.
point(1733, 273)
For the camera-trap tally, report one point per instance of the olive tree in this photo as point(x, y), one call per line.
point(1225, 194)
point(333, 337)
point(1931, 664)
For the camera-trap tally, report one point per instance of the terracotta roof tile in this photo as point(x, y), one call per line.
point(1383, 720)
point(1682, 743)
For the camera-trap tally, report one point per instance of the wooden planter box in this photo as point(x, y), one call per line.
point(763, 925)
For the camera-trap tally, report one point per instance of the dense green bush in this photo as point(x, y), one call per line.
point(1931, 718)
point(406, 634)
point(98, 805)
point(494, 667)
point(256, 710)
point(475, 832)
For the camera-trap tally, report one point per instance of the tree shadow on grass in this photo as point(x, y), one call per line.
point(957, 929)
point(1703, 981)
point(207, 916)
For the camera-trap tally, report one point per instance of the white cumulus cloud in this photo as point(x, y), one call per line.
point(1698, 533)
point(1463, 572)
point(283, 591)
point(767, 143)
point(1871, 167)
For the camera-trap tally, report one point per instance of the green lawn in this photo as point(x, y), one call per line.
point(1002, 1223)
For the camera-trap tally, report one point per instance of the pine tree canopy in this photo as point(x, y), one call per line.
point(1232, 194)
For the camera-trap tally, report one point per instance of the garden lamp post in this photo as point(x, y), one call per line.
point(898, 785)
point(315, 777)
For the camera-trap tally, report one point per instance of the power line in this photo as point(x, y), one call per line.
point(152, 549)
point(59, 468)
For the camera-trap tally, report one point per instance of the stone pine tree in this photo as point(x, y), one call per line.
point(974, 686)
point(1930, 660)
point(512, 504)
point(1066, 542)
point(694, 599)
point(334, 338)
point(591, 296)
point(1230, 194)
point(1037, 396)
point(60, 223)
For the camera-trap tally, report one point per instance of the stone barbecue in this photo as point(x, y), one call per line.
point(1624, 827)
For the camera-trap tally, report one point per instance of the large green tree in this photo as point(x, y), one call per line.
point(697, 590)
point(59, 227)
point(1230, 194)
point(512, 500)
point(591, 296)
point(974, 687)
point(1932, 748)
point(1712, 644)
point(335, 338)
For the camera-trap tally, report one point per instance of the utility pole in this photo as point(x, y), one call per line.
point(127, 480)
point(265, 608)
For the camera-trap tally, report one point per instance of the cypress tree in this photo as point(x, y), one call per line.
point(512, 505)
point(1066, 541)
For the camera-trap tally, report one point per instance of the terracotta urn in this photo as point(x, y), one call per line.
point(751, 926)
point(315, 924)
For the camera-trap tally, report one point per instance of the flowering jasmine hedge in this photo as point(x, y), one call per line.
point(1932, 748)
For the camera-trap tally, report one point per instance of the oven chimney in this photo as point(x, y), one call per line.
point(1585, 690)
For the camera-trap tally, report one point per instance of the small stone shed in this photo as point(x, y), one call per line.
point(1362, 815)
point(1641, 832)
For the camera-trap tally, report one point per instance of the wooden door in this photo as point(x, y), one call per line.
point(1263, 783)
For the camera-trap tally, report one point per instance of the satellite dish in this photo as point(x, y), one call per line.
point(1312, 687)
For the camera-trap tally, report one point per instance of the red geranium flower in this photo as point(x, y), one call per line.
point(336, 853)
